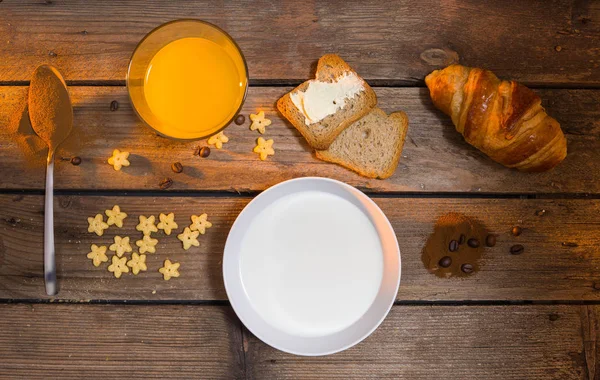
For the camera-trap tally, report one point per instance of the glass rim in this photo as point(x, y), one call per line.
point(170, 23)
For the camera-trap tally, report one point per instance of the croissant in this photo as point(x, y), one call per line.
point(505, 120)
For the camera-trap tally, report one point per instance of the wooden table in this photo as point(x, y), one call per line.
point(533, 316)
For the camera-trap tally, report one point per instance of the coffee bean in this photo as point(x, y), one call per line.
point(445, 262)
point(490, 240)
point(165, 183)
point(467, 268)
point(240, 119)
point(76, 160)
point(177, 167)
point(462, 239)
point(453, 247)
point(517, 249)
point(204, 152)
point(516, 230)
point(553, 317)
point(473, 243)
point(197, 151)
point(114, 105)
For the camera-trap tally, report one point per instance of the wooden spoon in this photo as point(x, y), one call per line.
point(51, 116)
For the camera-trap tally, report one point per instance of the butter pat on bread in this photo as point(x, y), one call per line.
point(323, 107)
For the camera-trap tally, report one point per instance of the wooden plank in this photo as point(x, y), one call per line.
point(399, 41)
point(448, 342)
point(435, 156)
point(560, 262)
point(110, 341)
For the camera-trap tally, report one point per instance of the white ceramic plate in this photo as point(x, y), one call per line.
point(311, 266)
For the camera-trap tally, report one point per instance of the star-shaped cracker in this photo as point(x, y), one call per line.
point(121, 245)
point(118, 266)
point(169, 270)
point(118, 159)
point(146, 225)
point(97, 224)
point(167, 223)
point(218, 140)
point(259, 122)
point(189, 238)
point(97, 255)
point(147, 244)
point(200, 223)
point(115, 216)
point(264, 148)
point(137, 263)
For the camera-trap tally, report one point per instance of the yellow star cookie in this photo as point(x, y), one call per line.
point(121, 245)
point(118, 266)
point(97, 255)
point(146, 225)
point(167, 223)
point(118, 159)
point(147, 244)
point(264, 148)
point(200, 223)
point(259, 122)
point(115, 216)
point(189, 238)
point(218, 140)
point(137, 263)
point(169, 270)
point(97, 224)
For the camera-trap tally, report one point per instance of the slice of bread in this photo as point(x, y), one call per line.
point(371, 146)
point(322, 133)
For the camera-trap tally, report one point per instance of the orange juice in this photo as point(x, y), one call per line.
point(193, 87)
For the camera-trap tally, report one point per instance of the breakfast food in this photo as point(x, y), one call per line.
point(189, 238)
point(146, 225)
point(503, 119)
point(118, 159)
point(137, 263)
point(115, 216)
point(97, 255)
point(264, 148)
point(118, 266)
point(200, 223)
point(120, 246)
point(259, 122)
point(218, 140)
point(147, 244)
point(97, 225)
point(169, 270)
point(323, 107)
point(167, 223)
point(370, 146)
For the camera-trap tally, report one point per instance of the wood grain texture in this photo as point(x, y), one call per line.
point(435, 157)
point(447, 342)
point(124, 342)
point(397, 42)
point(561, 238)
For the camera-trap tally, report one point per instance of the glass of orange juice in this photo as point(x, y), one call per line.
point(187, 79)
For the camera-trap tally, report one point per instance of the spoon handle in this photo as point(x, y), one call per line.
point(49, 256)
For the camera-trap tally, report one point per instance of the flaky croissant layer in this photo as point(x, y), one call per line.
point(503, 119)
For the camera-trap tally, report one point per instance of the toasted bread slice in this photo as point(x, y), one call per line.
point(371, 146)
point(322, 133)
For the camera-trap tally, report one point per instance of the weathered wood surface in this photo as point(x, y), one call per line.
point(449, 342)
point(435, 157)
point(392, 42)
point(561, 260)
point(198, 341)
point(110, 342)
